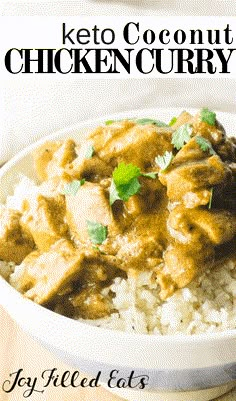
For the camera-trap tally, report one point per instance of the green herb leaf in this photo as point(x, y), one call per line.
point(144, 121)
point(150, 175)
point(181, 136)
point(109, 122)
point(72, 187)
point(140, 121)
point(89, 152)
point(172, 121)
point(211, 197)
point(97, 232)
point(123, 173)
point(165, 160)
point(124, 182)
point(204, 144)
point(208, 116)
point(124, 192)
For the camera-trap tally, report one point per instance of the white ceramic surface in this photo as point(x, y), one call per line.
point(179, 363)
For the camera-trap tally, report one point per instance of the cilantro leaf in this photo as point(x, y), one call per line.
point(208, 116)
point(97, 232)
point(123, 173)
point(205, 145)
point(72, 187)
point(109, 122)
point(181, 136)
point(89, 152)
point(128, 190)
point(172, 121)
point(124, 182)
point(124, 192)
point(140, 121)
point(165, 160)
point(144, 121)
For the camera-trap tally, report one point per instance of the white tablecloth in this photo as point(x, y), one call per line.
point(18, 350)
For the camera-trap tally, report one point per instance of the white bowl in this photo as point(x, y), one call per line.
point(181, 367)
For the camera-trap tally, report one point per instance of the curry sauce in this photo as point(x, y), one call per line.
point(136, 195)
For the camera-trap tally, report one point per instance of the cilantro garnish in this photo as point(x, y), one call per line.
point(124, 182)
point(181, 136)
point(72, 187)
point(144, 121)
point(204, 144)
point(172, 121)
point(165, 160)
point(97, 232)
point(208, 116)
point(109, 122)
point(211, 197)
point(89, 152)
point(140, 121)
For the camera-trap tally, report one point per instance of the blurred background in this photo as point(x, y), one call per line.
point(37, 108)
point(30, 109)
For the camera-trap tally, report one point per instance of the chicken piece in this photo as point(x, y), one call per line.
point(100, 269)
point(190, 152)
point(227, 150)
point(41, 277)
point(138, 252)
point(182, 119)
point(52, 158)
point(134, 205)
point(214, 133)
point(182, 264)
point(92, 168)
point(15, 243)
point(195, 232)
point(43, 156)
point(225, 147)
point(195, 176)
point(131, 143)
point(89, 204)
point(188, 226)
point(91, 304)
point(197, 198)
point(88, 299)
point(218, 225)
point(43, 218)
point(151, 197)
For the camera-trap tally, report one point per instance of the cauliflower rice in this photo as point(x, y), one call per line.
point(207, 305)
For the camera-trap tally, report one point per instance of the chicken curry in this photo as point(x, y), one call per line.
point(137, 194)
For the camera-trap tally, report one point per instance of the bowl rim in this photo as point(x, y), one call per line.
point(122, 335)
